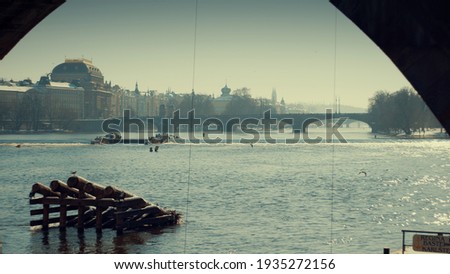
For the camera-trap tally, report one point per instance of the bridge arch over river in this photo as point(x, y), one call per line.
point(226, 123)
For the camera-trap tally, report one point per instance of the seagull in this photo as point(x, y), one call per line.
point(73, 172)
point(363, 172)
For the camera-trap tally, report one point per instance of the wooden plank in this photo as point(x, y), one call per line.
point(43, 190)
point(45, 216)
point(107, 202)
point(36, 201)
point(65, 190)
point(99, 218)
point(116, 193)
point(151, 210)
point(160, 220)
point(84, 185)
point(63, 216)
point(94, 189)
point(51, 210)
point(119, 225)
point(87, 215)
point(109, 223)
point(132, 202)
point(163, 220)
point(46, 200)
point(80, 224)
point(77, 182)
point(51, 220)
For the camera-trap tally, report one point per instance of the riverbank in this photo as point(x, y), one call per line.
point(431, 134)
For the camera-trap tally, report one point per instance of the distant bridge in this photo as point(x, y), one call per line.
point(224, 123)
point(299, 121)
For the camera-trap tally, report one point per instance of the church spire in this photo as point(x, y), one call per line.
point(136, 89)
point(274, 96)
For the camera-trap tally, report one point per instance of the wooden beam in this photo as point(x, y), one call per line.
point(65, 190)
point(45, 217)
point(132, 202)
point(116, 193)
point(151, 210)
point(94, 189)
point(43, 190)
point(163, 220)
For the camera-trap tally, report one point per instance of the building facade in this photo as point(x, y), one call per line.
point(82, 73)
point(73, 90)
point(11, 97)
point(76, 89)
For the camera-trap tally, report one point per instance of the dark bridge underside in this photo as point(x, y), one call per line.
point(415, 35)
point(18, 17)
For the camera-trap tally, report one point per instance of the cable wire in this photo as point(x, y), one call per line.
point(332, 142)
point(190, 141)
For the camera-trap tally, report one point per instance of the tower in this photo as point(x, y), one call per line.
point(274, 96)
point(136, 89)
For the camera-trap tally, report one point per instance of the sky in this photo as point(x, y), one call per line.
point(305, 49)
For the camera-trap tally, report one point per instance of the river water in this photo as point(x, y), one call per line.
point(269, 198)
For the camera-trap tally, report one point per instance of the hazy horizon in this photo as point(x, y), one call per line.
point(306, 50)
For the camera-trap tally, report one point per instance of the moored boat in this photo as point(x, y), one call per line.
point(110, 138)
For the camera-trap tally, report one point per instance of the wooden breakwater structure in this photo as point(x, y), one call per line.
point(95, 206)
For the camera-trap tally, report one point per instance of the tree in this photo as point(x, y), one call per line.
point(202, 104)
point(242, 92)
point(379, 111)
point(242, 103)
point(403, 110)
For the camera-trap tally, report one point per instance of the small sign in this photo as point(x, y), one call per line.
point(431, 243)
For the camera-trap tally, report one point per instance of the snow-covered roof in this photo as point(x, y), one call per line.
point(62, 85)
point(15, 88)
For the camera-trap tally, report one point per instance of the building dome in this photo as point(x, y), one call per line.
point(81, 70)
point(226, 91)
point(221, 103)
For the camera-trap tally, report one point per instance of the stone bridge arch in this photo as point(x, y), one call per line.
point(300, 122)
